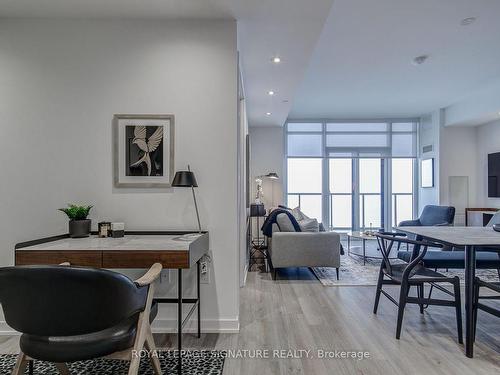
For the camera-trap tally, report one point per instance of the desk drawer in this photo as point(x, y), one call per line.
point(144, 259)
point(76, 258)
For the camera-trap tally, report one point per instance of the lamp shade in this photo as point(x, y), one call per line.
point(257, 210)
point(184, 179)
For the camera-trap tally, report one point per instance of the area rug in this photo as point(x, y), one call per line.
point(354, 273)
point(194, 363)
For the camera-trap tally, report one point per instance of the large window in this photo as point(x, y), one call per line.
point(305, 185)
point(352, 175)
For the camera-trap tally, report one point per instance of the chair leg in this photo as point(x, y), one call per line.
point(458, 308)
point(379, 290)
point(337, 269)
point(420, 289)
point(62, 368)
point(274, 273)
point(21, 363)
point(403, 294)
point(150, 345)
point(474, 309)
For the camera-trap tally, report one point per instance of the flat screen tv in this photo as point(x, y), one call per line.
point(494, 175)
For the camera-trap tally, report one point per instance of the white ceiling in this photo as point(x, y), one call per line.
point(361, 66)
point(266, 28)
point(285, 28)
point(349, 60)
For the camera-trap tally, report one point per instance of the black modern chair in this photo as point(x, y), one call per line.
point(495, 287)
point(68, 314)
point(411, 274)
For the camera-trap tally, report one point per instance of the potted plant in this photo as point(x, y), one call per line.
point(79, 225)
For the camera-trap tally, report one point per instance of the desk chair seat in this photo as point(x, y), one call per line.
point(82, 347)
point(69, 314)
point(454, 259)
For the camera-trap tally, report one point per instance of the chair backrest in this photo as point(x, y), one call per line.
point(388, 240)
point(494, 220)
point(436, 215)
point(66, 301)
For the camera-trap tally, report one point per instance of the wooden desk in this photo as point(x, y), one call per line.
point(136, 250)
point(469, 238)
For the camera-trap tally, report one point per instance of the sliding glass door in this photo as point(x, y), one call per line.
point(370, 193)
point(355, 184)
point(402, 181)
point(340, 193)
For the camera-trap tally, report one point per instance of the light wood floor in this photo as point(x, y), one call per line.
point(297, 312)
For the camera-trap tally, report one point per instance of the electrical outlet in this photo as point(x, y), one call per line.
point(204, 273)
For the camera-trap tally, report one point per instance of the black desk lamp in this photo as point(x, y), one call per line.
point(187, 179)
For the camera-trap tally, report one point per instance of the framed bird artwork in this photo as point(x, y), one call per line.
point(143, 150)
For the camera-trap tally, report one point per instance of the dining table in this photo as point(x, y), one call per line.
point(470, 239)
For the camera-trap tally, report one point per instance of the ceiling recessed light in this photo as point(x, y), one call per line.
point(270, 92)
point(276, 60)
point(419, 60)
point(268, 113)
point(467, 21)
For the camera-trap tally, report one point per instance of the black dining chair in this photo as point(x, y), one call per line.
point(67, 314)
point(411, 274)
point(492, 286)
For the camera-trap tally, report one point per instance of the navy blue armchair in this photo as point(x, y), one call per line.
point(431, 216)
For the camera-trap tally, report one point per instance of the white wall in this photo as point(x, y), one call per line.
point(429, 136)
point(62, 81)
point(461, 151)
point(457, 152)
point(478, 107)
point(488, 141)
point(267, 155)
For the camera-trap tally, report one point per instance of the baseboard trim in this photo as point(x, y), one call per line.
point(207, 326)
point(168, 326)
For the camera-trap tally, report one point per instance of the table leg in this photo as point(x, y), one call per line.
point(470, 270)
point(198, 296)
point(364, 252)
point(179, 320)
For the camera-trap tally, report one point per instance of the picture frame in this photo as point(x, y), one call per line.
point(427, 173)
point(144, 150)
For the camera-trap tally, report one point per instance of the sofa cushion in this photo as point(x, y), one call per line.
point(298, 214)
point(284, 223)
point(309, 225)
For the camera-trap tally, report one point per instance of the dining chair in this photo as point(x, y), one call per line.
point(415, 274)
point(67, 314)
point(492, 286)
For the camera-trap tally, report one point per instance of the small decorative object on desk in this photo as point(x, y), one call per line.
point(117, 230)
point(104, 229)
point(79, 225)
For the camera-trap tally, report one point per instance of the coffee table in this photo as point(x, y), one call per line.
point(363, 237)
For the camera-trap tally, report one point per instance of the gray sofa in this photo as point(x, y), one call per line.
point(304, 249)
